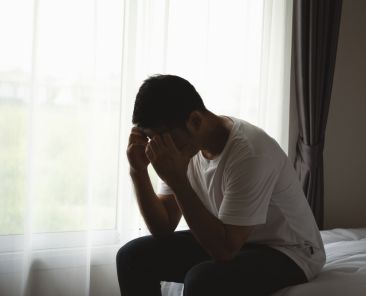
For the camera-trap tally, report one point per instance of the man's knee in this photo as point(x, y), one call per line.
point(215, 279)
point(122, 257)
point(132, 260)
point(137, 251)
point(202, 280)
point(128, 254)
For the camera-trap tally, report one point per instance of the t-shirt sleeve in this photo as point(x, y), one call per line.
point(163, 188)
point(248, 187)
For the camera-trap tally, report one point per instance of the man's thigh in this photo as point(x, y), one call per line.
point(166, 257)
point(256, 270)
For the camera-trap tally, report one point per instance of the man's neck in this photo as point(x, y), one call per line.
point(218, 137)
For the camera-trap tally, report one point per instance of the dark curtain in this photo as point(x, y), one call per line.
point(315, 37)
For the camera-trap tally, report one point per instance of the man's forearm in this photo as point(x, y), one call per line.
point(151, 207)
point(171, 165)
point(208, 230)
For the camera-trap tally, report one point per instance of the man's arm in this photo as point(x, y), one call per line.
point(158, 213)
point(152, 208)
point(221, 241)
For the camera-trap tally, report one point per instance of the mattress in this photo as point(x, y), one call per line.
point(343, 274)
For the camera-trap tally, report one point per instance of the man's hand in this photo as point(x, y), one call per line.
point(169, 163)
point(136, 150)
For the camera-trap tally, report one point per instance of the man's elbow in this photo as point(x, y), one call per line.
point(161, 232)
point(226, 252)
point(224, 256)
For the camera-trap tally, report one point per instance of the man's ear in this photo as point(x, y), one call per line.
point(194, 121)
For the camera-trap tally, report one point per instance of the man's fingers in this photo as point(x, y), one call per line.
point(137, 136)
point(137, 139)
point(159, 141)
point(136, 129)
point(154, 145)
point(149, 152)
point(169, 142)
point(157, 146)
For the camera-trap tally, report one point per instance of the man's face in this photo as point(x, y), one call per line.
point(181, 138)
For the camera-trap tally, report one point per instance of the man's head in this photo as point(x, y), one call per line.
point(165, 101)
point(168, 103)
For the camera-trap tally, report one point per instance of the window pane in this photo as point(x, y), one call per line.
point(15, 69)
point(75, 119)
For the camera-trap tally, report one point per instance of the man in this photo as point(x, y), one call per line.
point(251, 231)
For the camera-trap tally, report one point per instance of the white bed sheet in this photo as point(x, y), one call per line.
point(343, 274)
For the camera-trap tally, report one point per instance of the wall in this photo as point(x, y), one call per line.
point(345, 146)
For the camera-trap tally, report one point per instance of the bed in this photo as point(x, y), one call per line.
point(343, 274)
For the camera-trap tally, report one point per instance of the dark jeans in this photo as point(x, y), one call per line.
point(256, 270)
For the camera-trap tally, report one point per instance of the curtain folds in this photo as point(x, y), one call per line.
point(315, 37)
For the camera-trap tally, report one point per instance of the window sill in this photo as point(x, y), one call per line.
point(59, 250)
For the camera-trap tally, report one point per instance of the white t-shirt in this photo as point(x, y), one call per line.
point(252, 182)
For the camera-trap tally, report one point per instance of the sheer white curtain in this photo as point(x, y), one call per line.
point(69, 72)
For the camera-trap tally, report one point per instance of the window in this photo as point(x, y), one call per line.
point(69, 72)
point(60, 83)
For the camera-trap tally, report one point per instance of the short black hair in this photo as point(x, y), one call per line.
point(165, 101)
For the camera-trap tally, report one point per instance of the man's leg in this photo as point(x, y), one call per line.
point(256, 270)
point(143, 262)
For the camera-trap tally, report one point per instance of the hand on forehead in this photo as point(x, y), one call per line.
point(150, 133)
